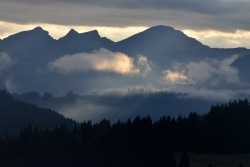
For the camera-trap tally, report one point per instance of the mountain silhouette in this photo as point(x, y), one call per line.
point(70, 35)
point(159, 40)
point(162, 45)
point(74, 42)
point(27, 42)
point(32, 51)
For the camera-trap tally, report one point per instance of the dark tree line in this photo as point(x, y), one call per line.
point(16, 114)
point(226, 128)
point(135, 143)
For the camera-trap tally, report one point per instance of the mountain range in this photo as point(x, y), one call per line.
point(33, 61)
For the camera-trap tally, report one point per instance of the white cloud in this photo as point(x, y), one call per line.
point(228, 61)
point(100, 60)
point(5, 62)
point(83, 110)
point(176, 77)
point(143, 65)
point(10, 85)
point(205, 73)
point(200, 72)
point(214, 72)
point(209, 94)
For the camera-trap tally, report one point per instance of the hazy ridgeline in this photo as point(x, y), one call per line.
point(114, 105)
point(16, 114)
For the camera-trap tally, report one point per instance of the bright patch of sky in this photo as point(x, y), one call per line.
point(212, 38)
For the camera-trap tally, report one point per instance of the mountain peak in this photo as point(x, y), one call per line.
point(91, 34)
point(35, 33)
point(162, 27)
point(72, 32)
point(74, 35)
point(38, 29)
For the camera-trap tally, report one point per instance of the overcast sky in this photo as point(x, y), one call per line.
point(217, 23)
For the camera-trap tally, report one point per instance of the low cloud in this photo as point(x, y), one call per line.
point(83, 110)
point(100, 60)
point(176, 77)
point(220, 95)
point(206, 73)
point(10, 85)
point(143, 65)
point(5, 62)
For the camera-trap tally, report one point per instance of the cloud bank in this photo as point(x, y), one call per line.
point(5, 63)
point(221, 15)
point(100, 60)
point(207, 73)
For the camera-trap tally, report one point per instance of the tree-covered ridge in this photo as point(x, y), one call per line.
point(138, 142)
point(119, 104)
point(16, 114)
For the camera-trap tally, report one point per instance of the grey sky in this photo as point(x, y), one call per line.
point(223, 15)
point(218, 15)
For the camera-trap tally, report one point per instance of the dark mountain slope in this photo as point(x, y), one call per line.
point(159, 40)
point(221, 53)
point(162, 45)
point(159, 36)
point(27, 43)
point(165, 42)
point(243, 65)
point(15, 115)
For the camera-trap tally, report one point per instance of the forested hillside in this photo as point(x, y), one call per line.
point(16, 114)
point(117, 104)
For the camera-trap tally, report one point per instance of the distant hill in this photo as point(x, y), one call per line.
point(243, 65)
point(15, 115)
point(121, 105)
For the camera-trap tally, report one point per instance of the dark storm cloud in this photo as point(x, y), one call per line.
point(223, 15)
